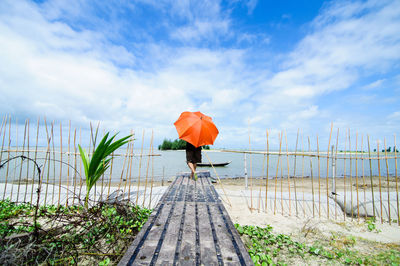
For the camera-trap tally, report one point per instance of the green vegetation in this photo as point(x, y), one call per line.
point(177, 144)
point(99, 163)
point(68, 235)
point(267, 248)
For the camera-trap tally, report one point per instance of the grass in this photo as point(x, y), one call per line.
point(67, 235)
point(268, 248)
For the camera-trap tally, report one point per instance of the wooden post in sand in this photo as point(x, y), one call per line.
point(277, 170)
point(397, 187)
point(319, 181)
point(129, 168)
point(251, 176)
point(152, 167)
point(351, 177)
point(27, 165)
point(327, 172)
point(3, 126)
point(75, 166)
point(34, 168)
point(147, 170)
point(266, 180)
point(20, 167)
point(8, 156)
point(54, 165)
point(370, 172)
point(15, 161)
point(387, 175)
point(302, 174)
point(344, 176)
point(363, 175)
point(380, 185)
point(140, 166)
point(288, 174)
point(358, 205)
point(334, 169)
point(60, 176)
point(294, 173)
point(312, 178)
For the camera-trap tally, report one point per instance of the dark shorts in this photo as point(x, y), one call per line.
point(193, 155)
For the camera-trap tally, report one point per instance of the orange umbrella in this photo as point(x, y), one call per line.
point(196, 128)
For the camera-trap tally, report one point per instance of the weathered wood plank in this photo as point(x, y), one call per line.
point(189, 226)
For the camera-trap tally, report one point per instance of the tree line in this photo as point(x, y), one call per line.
point(177, 144)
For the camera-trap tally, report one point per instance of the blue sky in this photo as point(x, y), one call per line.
point(258, 65)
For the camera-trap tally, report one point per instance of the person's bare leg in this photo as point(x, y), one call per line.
point(192, 168)
point(194, 173)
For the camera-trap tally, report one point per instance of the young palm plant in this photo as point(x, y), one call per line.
point(100, 161)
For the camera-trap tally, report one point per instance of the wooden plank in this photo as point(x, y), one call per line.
point(207, 248)
point(187, 252)
point(189, 226)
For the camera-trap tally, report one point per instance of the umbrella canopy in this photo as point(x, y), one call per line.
point(196, 128)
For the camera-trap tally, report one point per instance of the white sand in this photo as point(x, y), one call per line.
point(239, 211)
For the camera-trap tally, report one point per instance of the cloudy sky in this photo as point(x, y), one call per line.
point(251, 65)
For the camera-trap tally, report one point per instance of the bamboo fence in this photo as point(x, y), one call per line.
point(51, 173)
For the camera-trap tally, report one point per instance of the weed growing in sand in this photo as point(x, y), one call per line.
point(267, 248)
point(68, 235)
point(371, 225)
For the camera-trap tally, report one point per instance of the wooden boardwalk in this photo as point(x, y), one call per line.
point(189, 226)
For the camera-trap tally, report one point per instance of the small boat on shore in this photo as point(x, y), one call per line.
point(214, 164)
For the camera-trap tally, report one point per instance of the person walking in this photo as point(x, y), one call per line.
point(193, 156)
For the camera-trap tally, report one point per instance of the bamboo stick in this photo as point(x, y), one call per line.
point(337, 143)
point(267, 176)
point(123, 166)
point(147, 170)
point(302, 174)
point(15, 161)
point(380, 187)
point(251, 176)
point(344, 176)
point(219, 180)
point(288, 174)
point(327, 172)
point(152, 169)
point(358, 205)
point(388, 188)
point(363, 173)
point(36, 147)
point(22, 162)
point(351, 177)
point(312, 179)
point(294, 173)
point(262, 174)
point(75, 166)
point(69, 149)
point(127, 176)
point(130, 163)
point(370, 172)
point(61, 159)
point(140, 166)
point(281, 186)
point(54, 165)
point(111, 170)
point(319, 181)
point(8, 156)
point(80, 168)
point(277, 170)
point(27, 164)
point(2, 149)
point(397, 187)
point(48, 154)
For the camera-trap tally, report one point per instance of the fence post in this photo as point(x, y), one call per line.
point(245, 171)
point(333, 172)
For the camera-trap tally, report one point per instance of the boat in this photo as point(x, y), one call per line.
point(213, 164)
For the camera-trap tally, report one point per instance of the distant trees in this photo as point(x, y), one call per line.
point(177, 144)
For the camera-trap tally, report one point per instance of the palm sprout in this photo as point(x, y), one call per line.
point(100, 161)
